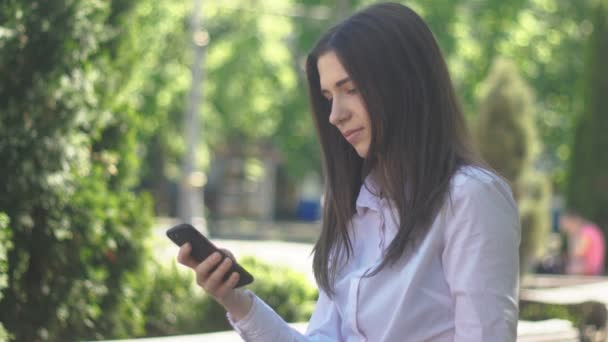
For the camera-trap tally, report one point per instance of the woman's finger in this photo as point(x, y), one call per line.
point(228, 285)
point(203, 270)
point(184, 257)
point(216, 279)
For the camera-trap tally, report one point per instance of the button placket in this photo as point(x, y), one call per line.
point(356, 308)
point(382, 243)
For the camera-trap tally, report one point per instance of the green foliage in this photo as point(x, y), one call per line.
point(286, 291)
point(505, 129)
point(160, 83)
point(68, 155)
point(538, 312)
point(587, 179)
point(173, 304)
point(254, 87)
point(543, 37)
point(5, 246)
point(253, 90)
point(170, 302)
point(534, 191)
point(588, 317)
point(506, 138)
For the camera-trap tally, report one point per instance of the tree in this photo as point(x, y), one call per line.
point(507, 139)
point(542, 37)
point(255, 89)
point(587, 189)
point(157, 93)
point(68, 155)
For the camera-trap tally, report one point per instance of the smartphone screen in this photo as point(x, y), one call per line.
point(203, 248)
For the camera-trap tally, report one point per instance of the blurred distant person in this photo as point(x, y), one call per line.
point(586, 245)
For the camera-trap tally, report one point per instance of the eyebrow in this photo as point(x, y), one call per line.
point(339, 83)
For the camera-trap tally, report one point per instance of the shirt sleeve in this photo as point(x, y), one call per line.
point(481, 261)
point(263, 324)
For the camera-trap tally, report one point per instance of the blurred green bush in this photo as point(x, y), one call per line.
point(286, 291)
point(175, 305)
point(538, 312)
point(69, 165)
point(588, 317)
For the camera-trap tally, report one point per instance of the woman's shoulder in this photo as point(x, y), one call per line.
point(483, 200)
point(474, 182)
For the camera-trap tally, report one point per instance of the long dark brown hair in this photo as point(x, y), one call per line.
point(419, 134)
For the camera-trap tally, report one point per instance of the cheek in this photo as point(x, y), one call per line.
point(367, 122)
point(361, 110)
point(357, 106)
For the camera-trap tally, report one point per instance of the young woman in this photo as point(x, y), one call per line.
point(419, 241)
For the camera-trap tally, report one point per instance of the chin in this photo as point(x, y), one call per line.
point(361, 153)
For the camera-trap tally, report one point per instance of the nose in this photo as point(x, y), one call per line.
point(338, 113)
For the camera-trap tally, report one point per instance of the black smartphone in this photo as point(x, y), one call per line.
point(202, 248)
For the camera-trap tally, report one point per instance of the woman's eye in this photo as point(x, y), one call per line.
point(352, 91)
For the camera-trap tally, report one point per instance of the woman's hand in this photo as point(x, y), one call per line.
point(211, 279)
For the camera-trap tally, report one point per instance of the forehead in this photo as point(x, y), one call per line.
point(330, 70)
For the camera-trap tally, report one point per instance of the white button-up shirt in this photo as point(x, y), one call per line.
point(461, 283)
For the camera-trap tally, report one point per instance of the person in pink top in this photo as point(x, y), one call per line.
point(419, 239)
point(586, 245)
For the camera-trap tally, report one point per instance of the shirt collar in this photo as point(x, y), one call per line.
point(368, 196)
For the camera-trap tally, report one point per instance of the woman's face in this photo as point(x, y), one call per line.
point(348, 112)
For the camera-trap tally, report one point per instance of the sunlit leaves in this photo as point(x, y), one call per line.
point(67, 154)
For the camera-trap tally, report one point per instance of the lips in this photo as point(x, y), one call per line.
point(352, 134)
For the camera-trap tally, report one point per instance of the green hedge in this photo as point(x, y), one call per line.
point(588, 317)
point(175, 305)
point(68, 157)
point(539, 312)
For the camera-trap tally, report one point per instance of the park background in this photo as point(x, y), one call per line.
point(119, 118)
